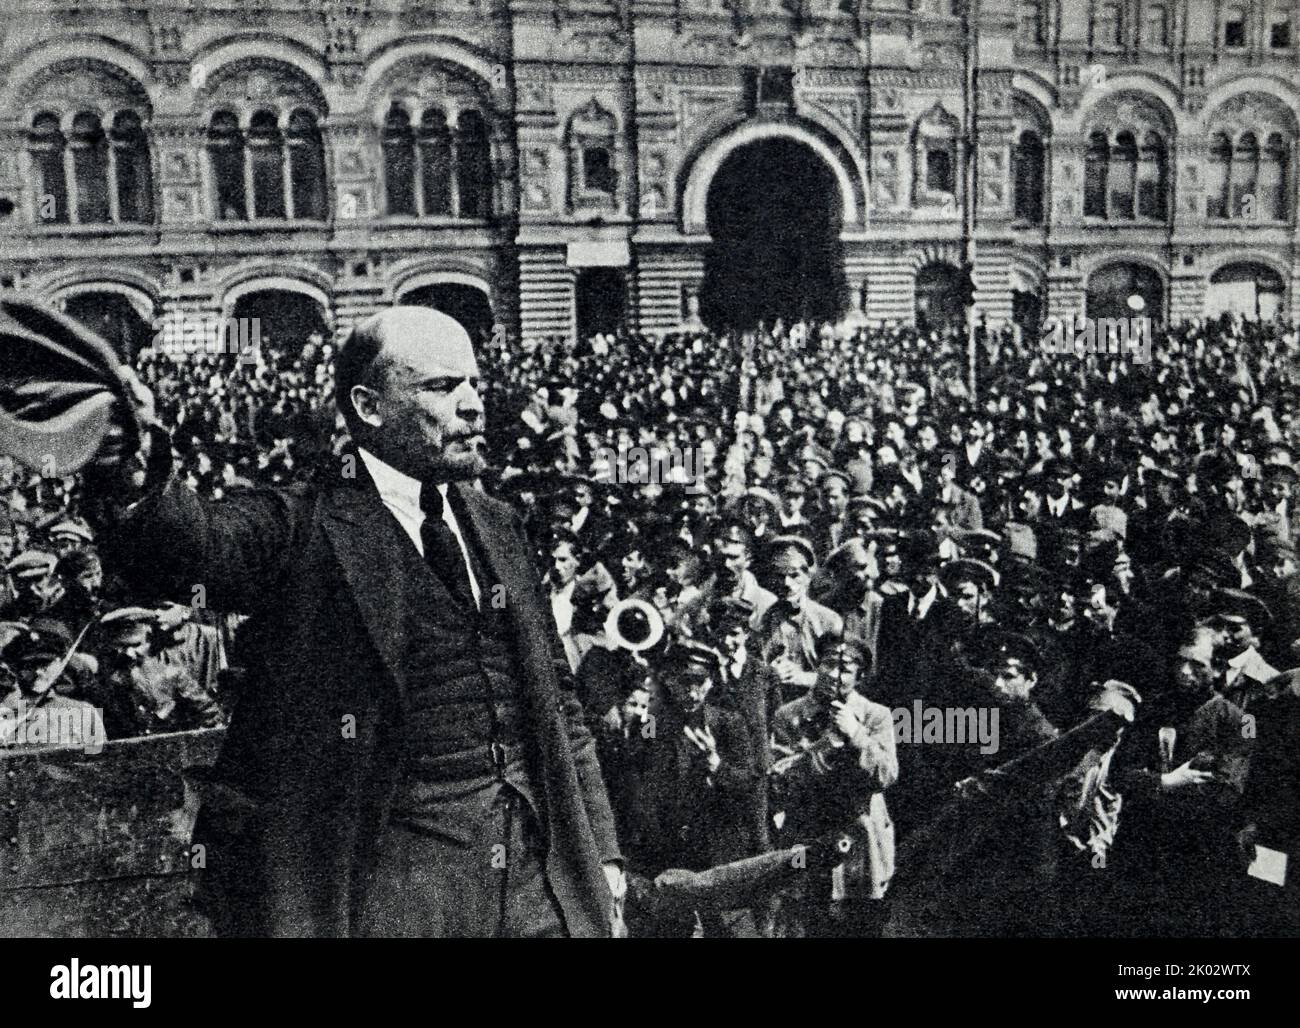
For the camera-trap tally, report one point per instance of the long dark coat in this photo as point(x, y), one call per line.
point(301, 792)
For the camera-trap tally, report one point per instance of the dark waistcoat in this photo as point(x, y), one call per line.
point(463, 737)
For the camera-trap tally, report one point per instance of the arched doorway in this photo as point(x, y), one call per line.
point(1245, 287)
point(1027, 310)
point(774, 214)
point(287, 324)
point(113, 318)
point(600, 298)
point(1126, 291)
point(467, 304)
point(938, 297)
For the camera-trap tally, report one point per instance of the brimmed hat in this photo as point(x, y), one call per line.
point(689, 658)
point(60, 389)
point(967, 569)
point(1239, 605)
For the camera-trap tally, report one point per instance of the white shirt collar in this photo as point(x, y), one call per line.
point(396, 488)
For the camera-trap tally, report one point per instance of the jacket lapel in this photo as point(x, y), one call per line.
point(496, 545)
point(382, 568)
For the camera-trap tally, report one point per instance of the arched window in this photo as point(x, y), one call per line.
point(940, 160)
point(1217, 202)
point(1108, 30)
point(1244, 176)
point(266, 164)
point(398, 144)
point(1151, 178)
point(46, 147)
point(473, 165)
point(132, 174)
point(306, 166)
point(1279, 31)
point(1123, 177)
point(226, 156)
point(1155, 28)
point(593, 175)
point(1096, 170)
point(598, 170)
point(435, 163)
point(90, 168)
point(1273, 180)
point(1028, 171)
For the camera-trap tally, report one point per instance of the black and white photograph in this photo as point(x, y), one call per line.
point(651, 469)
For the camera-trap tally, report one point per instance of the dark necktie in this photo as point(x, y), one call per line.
point(441, 550)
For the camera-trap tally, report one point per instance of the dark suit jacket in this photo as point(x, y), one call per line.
point(681, 816)
point(300, 795)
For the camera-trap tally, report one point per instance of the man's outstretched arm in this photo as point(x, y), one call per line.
point(169, 542)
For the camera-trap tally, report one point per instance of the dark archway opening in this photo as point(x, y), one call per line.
point(111, 317)
point(1247, 288)
point(774, 214)
point(600, 298)
point(938, 298)
point(286, 324)
point(1126, 291)
point(1027, 310)
point(467, 304)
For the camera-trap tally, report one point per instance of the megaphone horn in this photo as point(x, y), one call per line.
point(634, 625)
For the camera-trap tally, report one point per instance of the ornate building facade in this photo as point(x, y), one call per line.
point(532, 159)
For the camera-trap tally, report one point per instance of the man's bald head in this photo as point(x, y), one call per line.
point(407, 385)
point(361, 357)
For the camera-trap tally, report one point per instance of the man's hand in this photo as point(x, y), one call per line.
point(1119, 698)
point(612, 722)
point(1184, 776)
point(618, 890)
point(846, 722)
point(786, 670)
point(703, 738)
point(1246, 844)
point(116, 469)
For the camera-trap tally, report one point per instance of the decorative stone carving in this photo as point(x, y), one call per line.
point(178, 166)
point(84, 84)
point(352, 163)
point(885, 178)
point(180, 204)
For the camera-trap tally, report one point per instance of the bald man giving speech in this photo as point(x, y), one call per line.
point(410, 759)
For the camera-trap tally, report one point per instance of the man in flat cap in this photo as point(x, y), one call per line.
point(411, 705)
point(794, 494)
point(1240, 618)
point(1277, 583)
point(1181, 769)
point(82, 577)
point(139, 693)
point(36, 587)
point(695, 806)
point(969, 586)
point(69, 534)
point(965, 508)
point(37, 713)
point(732, 553)
point(750, 688)
point(831, 526)
point(1061, 508)
point(837, 759)
point(791, 631)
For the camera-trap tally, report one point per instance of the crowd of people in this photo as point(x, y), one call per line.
point(1014, 661)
